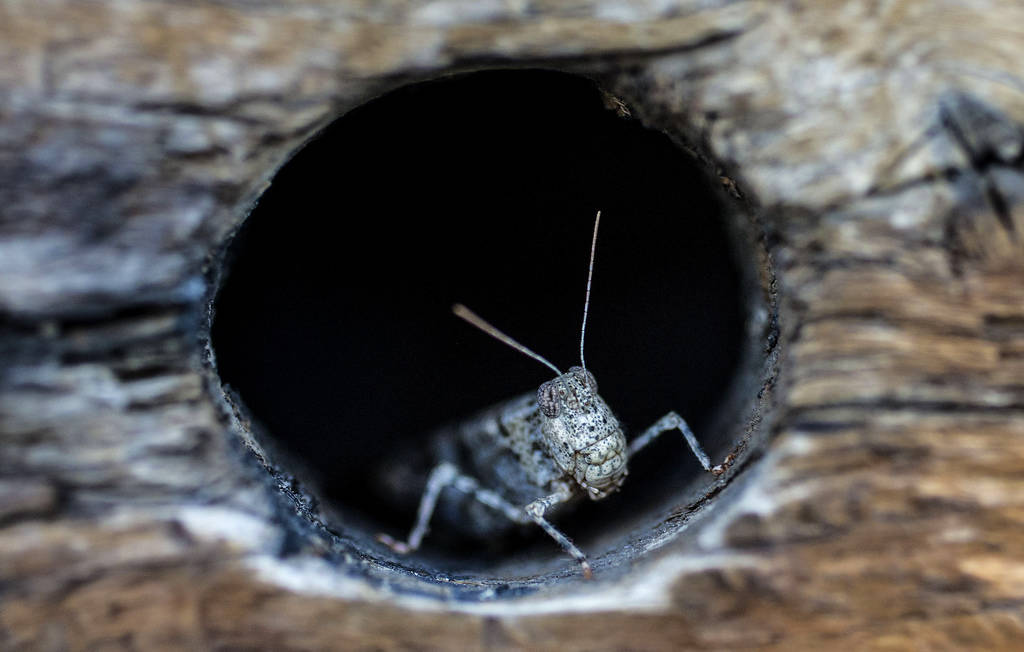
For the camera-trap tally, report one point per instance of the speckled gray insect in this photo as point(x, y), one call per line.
point(541, 450)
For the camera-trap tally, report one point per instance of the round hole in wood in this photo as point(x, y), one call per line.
point(333, 329)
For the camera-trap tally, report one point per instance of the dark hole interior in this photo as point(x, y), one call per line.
point(334, 324)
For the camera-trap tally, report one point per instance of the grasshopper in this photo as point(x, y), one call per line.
point(554, 445)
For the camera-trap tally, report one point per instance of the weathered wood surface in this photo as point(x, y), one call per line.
point(883, 140)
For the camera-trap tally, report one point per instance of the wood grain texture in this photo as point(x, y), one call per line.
point(883, 144)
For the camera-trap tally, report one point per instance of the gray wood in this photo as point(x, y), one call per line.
point(882, 143)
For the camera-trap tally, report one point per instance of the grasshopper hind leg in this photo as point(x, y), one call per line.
point(447, 475)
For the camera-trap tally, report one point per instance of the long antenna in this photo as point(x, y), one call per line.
point(470, 316)
point(590, 276)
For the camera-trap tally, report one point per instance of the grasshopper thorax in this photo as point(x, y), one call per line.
point(581, 433)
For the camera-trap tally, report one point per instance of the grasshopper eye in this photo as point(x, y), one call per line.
point(547, 399)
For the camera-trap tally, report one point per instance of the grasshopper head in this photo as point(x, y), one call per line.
point(582, 434)
point(579, 429)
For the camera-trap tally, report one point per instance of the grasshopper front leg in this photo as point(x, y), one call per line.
point(671, 421)
point(536, 511)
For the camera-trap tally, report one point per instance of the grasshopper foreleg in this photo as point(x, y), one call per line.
point(671, 421)
point(536, 511)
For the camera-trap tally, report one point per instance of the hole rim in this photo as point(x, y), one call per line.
point(299, 508)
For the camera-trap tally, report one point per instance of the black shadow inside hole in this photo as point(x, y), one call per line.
point(334, 322)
